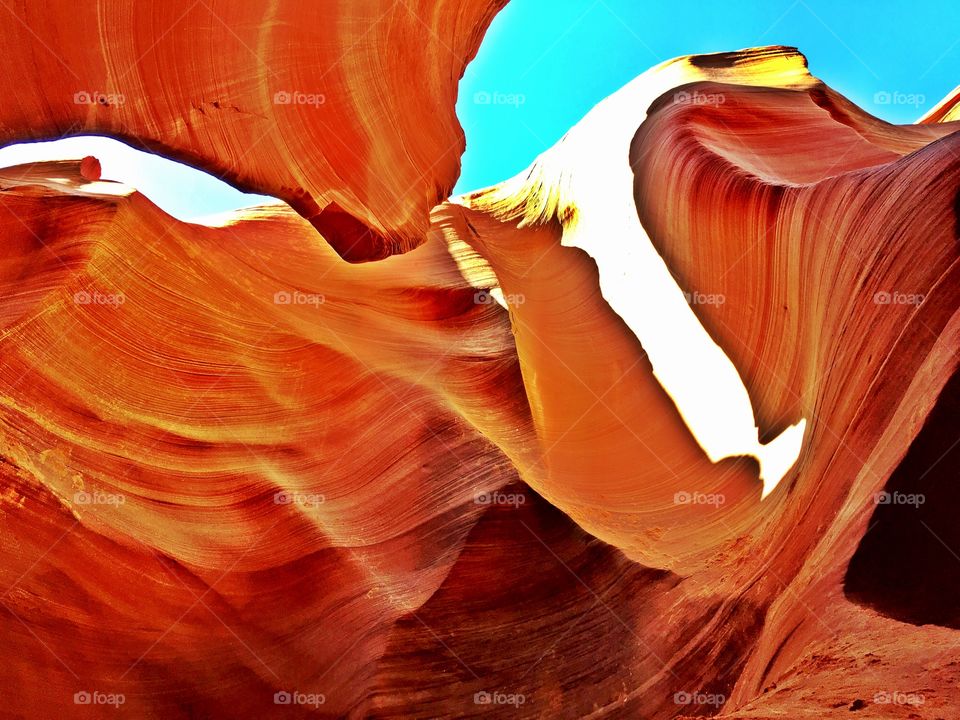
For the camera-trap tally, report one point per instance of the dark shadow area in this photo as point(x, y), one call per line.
point(908, 564)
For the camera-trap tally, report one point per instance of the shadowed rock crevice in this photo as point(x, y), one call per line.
point(908, 564)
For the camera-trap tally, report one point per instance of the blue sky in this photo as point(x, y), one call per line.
point(563, 56)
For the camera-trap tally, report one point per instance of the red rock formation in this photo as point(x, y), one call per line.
point(292, 99)
point(235, 466)
point(832, 237)
point(254, 459)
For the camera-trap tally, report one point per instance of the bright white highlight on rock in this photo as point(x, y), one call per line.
point(638, 285)
point(180, 190)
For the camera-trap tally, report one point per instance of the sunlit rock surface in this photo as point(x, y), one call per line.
point(466, 480)
point(295, 99)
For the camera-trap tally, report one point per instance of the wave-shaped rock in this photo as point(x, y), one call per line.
point(292, 99)
point(473, 479)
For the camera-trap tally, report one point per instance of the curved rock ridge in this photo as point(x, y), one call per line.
point(829, 240)
point(470, 480)
point(947, 110)
point(248, 449)
point(291, 99)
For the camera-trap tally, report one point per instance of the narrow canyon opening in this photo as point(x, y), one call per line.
point(185, 192)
